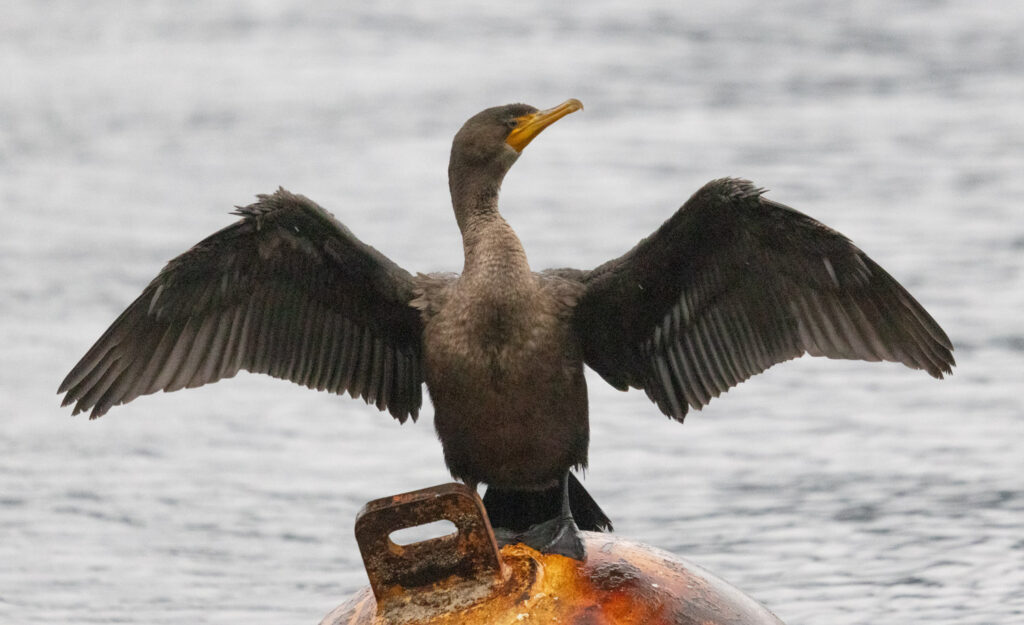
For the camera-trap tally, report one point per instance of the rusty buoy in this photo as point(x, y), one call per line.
point(463, 578)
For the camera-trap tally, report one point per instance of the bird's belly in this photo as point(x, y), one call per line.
point(511, 414)
point(509, 448)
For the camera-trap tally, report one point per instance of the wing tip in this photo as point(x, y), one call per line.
point(944, 369)
point(97, 411)
point(401, 413)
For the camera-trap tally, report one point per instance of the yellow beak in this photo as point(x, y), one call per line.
point(531, 125)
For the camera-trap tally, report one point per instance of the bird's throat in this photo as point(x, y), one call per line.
point(494, 256)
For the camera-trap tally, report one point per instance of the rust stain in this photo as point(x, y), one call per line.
point(462, 579)
point(468, 555)
point(621, 583)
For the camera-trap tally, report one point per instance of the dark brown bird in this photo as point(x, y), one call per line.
point(731, 284)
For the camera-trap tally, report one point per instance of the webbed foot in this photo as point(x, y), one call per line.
point(559, 535)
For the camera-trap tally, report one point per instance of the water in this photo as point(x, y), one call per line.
point(834, 492)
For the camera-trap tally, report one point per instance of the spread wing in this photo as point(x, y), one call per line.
point(734, 283)
point(288, 291)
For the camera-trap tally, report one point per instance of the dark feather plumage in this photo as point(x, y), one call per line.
point(287, 291)
point(734, 283)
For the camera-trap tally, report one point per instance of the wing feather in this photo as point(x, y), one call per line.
point(734, 283)
point(287, 291)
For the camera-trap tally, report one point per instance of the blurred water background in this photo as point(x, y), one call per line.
point(834, 492)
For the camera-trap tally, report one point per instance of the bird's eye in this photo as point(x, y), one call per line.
point(512, 123)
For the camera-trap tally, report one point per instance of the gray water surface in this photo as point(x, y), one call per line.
point(834, 492)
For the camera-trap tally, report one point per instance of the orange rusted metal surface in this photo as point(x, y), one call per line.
point(452, 582)
point(467, 559)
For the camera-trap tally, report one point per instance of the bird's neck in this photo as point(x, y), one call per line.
point(493, 252)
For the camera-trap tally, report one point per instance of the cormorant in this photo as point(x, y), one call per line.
point(731, 284)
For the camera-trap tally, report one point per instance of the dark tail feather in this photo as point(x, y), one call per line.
point(588, 515)
point(518, 510)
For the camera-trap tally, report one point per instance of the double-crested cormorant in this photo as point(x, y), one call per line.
point(731, 284)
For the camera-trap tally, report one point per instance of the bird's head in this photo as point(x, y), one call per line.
point(490, 142)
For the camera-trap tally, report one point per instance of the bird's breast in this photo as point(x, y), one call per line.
point(506, 381)
point(485, 332)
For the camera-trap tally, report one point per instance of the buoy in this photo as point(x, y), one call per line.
point(463, 578)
